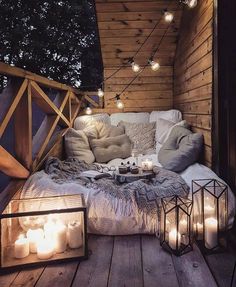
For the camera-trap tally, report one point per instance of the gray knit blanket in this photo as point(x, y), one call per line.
point(146, 193)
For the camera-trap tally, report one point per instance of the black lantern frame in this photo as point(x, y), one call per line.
point(20, 215)
point(176, 225)
point(210, 214)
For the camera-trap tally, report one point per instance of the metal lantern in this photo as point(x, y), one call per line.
point(43, 230)
point(210, 212)
point(176, 225)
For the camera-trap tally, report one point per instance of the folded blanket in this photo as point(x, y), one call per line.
point(145, 193)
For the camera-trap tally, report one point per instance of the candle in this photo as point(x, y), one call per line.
point(173, 236)
point(45, 249)
point(21, 247)
point(60, 237)
point(74, 234)
point(147, 165)
point(208, 211)
point(183, 226)
point(167, 225)
point(34, 235)
point(210, 232)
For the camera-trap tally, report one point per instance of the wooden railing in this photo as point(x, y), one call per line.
point(16, 103)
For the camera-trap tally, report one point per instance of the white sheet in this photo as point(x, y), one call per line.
point(125, 218)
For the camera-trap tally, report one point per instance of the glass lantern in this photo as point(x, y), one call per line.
point(43, 230)
point(176, 225)
point(210, 213)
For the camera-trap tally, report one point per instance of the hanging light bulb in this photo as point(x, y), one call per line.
point(88, 111)
point(100, 93)
point(119, 103)
point(135, 67)
point(192, 3)
point(154, 65)
point(168, 16)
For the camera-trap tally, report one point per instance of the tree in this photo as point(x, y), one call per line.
point(52, 38)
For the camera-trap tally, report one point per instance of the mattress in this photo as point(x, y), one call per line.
point(124, 218)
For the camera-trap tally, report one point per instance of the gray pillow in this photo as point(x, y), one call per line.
point(77, 145)
point(181, 149)
point(106, 149)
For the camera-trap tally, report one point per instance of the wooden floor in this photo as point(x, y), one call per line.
point(128, 261)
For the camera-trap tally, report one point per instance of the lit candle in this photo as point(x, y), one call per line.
point(167, 225)
point(34, 235)
point(208, 211)
point(74, 234)
point(183, 226)
point(60, 237)
point(210, 232)
point(21, 247)
point(147, 165)
point(173, 236)
point(45, 249)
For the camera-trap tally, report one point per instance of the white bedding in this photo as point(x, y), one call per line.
point(125, 218)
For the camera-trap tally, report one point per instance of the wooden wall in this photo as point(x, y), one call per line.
point(123, 26)
point(193, 71)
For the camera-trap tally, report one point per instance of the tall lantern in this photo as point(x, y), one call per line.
point(176, 225)
point(210, 212)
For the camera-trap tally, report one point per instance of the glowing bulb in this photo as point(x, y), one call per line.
point(154, 65)
point(88, 111)
point(168, 16)
point(100, 93)
point(119, 104)
point(192, 3)
point(135, 67)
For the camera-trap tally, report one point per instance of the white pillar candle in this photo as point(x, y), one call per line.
point(74, 234)
point(60, 237)
point(21, 247)
point(210, 232)
point(173, 236)
point(45, 249)
point(34, 235)
point(183, 224)
point(208, 211)
point(167, 225)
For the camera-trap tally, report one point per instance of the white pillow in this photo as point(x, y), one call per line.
point(130, 118)
point(171, 115)
point(84, 121)
point(163, 130)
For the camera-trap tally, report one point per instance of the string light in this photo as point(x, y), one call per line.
point(135, 67)
point(168, 16)
point(119, 103)
point(88, 111)
point(100, 93)
point(154, 65)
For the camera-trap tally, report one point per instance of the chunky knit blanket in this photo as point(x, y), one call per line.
point(146, 193)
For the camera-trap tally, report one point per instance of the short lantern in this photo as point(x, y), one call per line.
point(210, 212)
point(176, 227)
point(43, 230)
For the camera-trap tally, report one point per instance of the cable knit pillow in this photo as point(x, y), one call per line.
point(77, 145)
point(106, 149)
point(142, 135)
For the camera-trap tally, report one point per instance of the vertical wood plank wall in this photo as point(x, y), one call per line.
point(123, 26)
point(193, 71)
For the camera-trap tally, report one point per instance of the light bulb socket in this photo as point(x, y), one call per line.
point(117, 97)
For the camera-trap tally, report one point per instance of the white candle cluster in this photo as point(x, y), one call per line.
point(52, 238)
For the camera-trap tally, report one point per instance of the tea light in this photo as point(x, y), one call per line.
point(173, 235)
point(45, 249)
point(147, 165)
point(210, 232)
point(34, 235)
point(74, 234)
point(21, 247)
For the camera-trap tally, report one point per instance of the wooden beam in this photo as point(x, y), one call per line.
point(10, 166)
point(13, 106)
point(91, 101)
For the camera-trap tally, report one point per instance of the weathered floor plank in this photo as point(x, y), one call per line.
point(27, 278)
point(7, 279)
point(158, 269)
point(192, 270)
point(94, 272)
point(58, 275)
point(126, 266)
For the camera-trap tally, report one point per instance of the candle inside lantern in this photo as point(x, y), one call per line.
point(183, 224)
point(45, 249)
point(147, 165)
point(34, 236)
point(173, 237)
point(209, 211)
point(21, 247)
point(74, 234)
point(210, 232)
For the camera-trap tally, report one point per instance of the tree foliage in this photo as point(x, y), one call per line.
point(53, 38)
